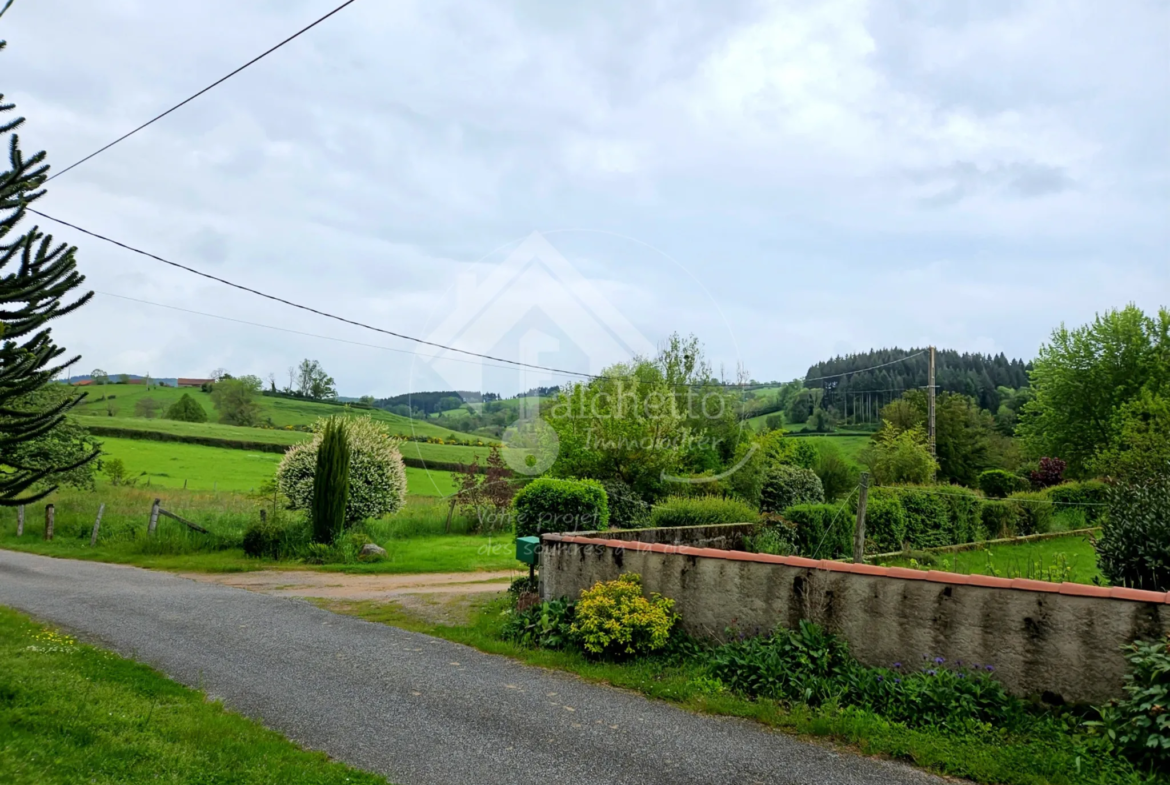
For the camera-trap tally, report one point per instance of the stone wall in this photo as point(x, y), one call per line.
point(727, 536)
point(1057, 641)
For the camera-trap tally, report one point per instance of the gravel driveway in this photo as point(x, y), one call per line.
point(419, 710)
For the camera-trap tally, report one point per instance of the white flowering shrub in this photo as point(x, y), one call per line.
point(377, 475)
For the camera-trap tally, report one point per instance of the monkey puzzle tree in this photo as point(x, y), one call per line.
point(36, 280)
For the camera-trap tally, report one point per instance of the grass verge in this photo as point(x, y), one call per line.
point(991, 756)
point(1071, 559)
point(71, 713)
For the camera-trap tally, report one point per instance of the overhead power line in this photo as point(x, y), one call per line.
point(211, 86)
point(863, 370)
point(307, 308)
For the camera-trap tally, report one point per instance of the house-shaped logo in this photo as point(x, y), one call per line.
point(537, 309)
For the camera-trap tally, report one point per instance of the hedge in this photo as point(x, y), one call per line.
point(816, 535)
point(701, 511)
point(550, 505)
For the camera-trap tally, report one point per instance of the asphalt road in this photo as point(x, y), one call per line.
point(416, 709)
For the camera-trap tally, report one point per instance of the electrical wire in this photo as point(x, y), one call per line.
point(335, 317)
point(211, 86)
point(863, 370)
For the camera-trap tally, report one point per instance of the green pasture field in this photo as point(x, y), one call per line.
point(175, 465)
point(442, 453)
point(132, 726)
point(1070, 559)
point(415, 538)
point(282, 411)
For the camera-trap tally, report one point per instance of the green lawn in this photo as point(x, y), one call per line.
point(282, 411)
point(1070, 559)
point(173, 465)
point(71, 713)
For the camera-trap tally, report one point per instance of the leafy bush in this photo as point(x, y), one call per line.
point(775, 539)
point(377, 475)
point(700, 511)
point(1139, 724)
point(898, 458)
point(627, 510)
point(786, 486)
point(548, 625)
point(1034, 513)
point(186, 409)
point(614, 619)
point(998, 484)
point(807, 665)
point(1091, 497)
point(271, 539)
point(837, 475)
point(820, 530)
point(551, 505)
point(1134, 547)
point(1001, 518)
point(1050, 472)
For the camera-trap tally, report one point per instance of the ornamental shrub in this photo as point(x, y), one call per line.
point(377, 475)
point(1139, 724)
point(186, 409)
point(786, 486)
point(701, 511)
point(998, 484)
point(1134, 547)
point(1049, 473)
point(614, 619)
point(551, 505)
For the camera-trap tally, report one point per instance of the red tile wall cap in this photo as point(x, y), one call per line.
point(989, 581)
point(800, 561)
point(937, 576)
point(870, 569)
point(1122, 593)
point(1045, 586)
point(1083, 590)
point(836, 566)
point(765, 558)
point(910, 575)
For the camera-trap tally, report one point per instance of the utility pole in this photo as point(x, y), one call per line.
point(859, 530)
point(930, 409)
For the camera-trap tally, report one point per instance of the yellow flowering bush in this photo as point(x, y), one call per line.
point(614, 618)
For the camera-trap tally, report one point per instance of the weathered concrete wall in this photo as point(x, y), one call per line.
point(726, 536)
point(1059, 641)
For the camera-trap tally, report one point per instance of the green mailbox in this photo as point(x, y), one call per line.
point(528, 550)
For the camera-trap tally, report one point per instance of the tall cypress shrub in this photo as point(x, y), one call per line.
point(331, 482)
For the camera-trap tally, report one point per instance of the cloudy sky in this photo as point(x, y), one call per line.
point(786, 180)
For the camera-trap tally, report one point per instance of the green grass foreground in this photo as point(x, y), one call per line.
point(1072, 559)
point(414, 538)
point(991, 756)
point(71, 713)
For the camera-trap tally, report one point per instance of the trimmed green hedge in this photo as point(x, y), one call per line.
point(701, 511)
point(815, 534)
point(1091, 497)
point(998, 484)
point(550, 505)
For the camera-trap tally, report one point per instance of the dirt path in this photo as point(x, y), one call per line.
point(443, 598)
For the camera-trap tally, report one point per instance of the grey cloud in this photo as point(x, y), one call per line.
point(962, 179)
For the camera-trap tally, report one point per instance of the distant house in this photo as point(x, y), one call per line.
point(83, 383)
point(194, 382)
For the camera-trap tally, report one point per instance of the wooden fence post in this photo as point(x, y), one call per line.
point(50, 513)
point(450, 512)
point(153, 517)
point(859, 532)
point(20, 521)
point(263, 516)
point(96, 525)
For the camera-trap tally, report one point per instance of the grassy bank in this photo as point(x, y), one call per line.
point(1072, 559)
point(985, 755)
point(70, 713)
point(415, 538)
